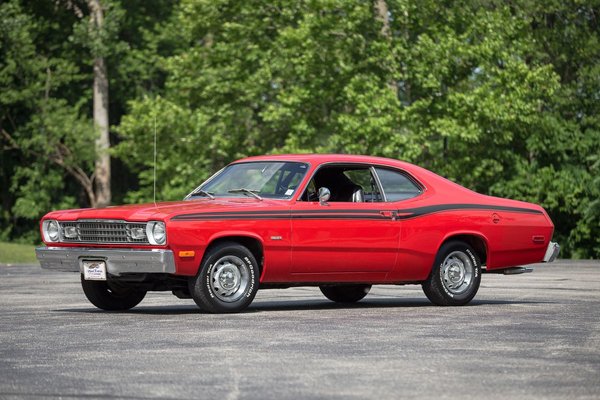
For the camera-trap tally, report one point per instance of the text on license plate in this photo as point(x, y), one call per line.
point(94, 270)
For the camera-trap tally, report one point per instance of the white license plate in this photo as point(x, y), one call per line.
point(94, 270)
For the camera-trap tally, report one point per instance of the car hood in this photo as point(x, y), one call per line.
point(167, 210)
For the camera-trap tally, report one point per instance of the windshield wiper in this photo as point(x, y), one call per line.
point(201, 192)
point(246, 191)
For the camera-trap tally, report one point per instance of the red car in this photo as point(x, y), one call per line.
point(340, 222)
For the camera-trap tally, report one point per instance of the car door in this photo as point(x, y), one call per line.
point(344, 240)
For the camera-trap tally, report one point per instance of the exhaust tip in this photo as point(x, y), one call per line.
point(517, 270)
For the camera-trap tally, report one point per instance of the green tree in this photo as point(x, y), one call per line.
point(44, 133)
point(47, 132)
point(562, 168)
point(254, 77)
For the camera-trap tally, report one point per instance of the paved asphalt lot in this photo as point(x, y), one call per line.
point(526, 336)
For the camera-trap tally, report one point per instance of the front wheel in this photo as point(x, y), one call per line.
point(111, 296)
point(455, 276)
point(227, 281)
point(345, 293)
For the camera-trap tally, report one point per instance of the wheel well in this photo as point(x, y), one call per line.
point(252, 244)
point(476, 242)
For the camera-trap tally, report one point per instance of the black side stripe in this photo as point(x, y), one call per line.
point(401, 214)
point(275, 217)
point(420, 211)
point(277, 212)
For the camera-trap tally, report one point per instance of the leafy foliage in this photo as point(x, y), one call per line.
point(38, 125)
point(500, 97)
point(46, 130)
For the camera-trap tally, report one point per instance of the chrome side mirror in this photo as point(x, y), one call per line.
point(324, 195)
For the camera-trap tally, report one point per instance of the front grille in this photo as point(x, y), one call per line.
point(110, 232)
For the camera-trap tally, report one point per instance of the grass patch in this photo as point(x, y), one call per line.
point(13, 253)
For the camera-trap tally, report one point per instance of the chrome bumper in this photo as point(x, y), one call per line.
point(551, 252)
point(118, 261)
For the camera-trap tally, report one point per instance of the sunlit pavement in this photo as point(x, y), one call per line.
point(527, 336)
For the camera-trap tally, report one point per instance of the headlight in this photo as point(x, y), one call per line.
point(51, 230)
point(156, 232)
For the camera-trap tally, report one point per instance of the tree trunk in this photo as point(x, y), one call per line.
point(102, 195)
point(382, 14)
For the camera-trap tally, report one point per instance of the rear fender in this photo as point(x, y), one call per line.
point(482, 251)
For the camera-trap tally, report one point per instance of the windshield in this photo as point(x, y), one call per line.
point(276, 180)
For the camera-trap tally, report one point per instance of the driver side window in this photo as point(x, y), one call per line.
point(350, 183)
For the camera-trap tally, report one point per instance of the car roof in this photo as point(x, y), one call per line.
point(317, 159)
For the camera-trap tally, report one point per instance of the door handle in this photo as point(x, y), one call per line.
point(393, 215)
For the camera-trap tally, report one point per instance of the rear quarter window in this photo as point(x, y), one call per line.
point(397, 185)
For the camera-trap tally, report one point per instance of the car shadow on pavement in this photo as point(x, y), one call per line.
point(301, 305)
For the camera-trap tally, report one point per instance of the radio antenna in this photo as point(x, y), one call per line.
point(154, 161)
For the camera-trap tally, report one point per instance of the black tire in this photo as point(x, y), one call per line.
point(455, 276)
point(111, 296)
point(227, 280)
point(345, 293)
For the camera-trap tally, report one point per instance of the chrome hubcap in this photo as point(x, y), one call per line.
point(457, 272)
point(229, 278)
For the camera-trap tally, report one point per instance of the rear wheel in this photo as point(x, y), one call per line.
point(345, 293)
point(455, 277)
point(111, 296)
point(227, 281)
